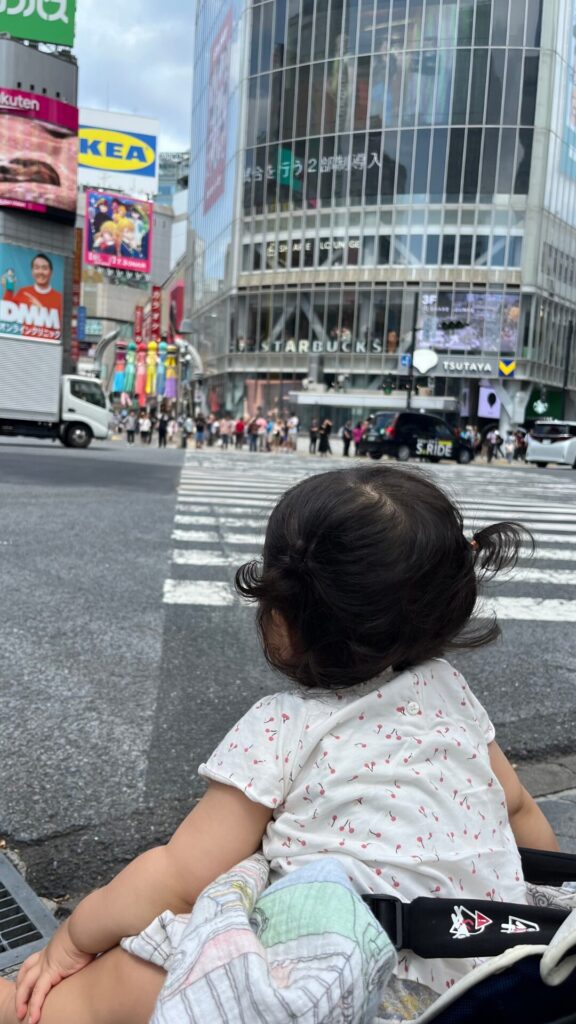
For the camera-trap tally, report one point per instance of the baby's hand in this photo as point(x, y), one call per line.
point(42, 971)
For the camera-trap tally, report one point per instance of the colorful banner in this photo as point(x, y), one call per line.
point(32, 285)
point(39, 148)
point(139, 324)
point(118, 232)
point(156, 319)
point(44, 21)
point(217, 132)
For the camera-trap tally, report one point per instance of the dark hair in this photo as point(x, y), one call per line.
point(42, 256)
point(370, 569)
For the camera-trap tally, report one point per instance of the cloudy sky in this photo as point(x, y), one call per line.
point(137, 58)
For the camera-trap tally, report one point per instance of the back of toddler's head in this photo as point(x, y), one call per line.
point(367, 569)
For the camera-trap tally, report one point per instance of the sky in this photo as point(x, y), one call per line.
point(137, 58)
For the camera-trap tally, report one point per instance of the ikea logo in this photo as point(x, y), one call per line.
point(105, 150)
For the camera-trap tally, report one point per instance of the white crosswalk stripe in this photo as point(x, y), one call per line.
point(222, 512)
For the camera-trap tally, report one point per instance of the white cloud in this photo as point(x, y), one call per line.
point(138, 62)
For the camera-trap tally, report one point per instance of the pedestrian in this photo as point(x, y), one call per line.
point(201, 428)
point(292, 432)
point(188, 428)
point(145, 428)
point(357, 435)
point(509, 447)
point(261, 425)
point(172, 430)
point(226, 427)
point(239, 429)
point(491, 444)
point(163, 429)
point(313, 435)
point(324, 432)
point(387, 759)
point(252, 431)
point(130, 423)
point(214, 432)
point(346, 438)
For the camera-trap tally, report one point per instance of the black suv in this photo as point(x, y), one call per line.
point(414, 434)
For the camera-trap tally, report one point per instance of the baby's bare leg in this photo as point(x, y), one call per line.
point(117, 988)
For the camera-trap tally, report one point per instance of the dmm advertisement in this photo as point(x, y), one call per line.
point(118, 232)
point(32, 285)
point(38, 146)
point(217, 133)
point(44, 21)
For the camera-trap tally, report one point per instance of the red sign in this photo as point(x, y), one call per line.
point(217, 133)
point(138, 324)
point(156, 325)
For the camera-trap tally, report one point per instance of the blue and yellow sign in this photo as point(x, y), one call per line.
point(115, 152)
point(507, 368)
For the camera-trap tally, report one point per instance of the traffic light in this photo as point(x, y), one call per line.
point(387, 384)
point(452, 325)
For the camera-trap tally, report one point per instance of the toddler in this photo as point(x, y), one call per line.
point(381, 756)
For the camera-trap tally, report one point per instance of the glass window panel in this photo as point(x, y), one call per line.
point(362, 94)
point(432, 249)
point(421, 165)
point(279, 32)
point(415, 21)
point(454, 170)
point(316, 95)
point(252, 111)
point(357, 168)
point(388, 66)
point(306, 31)
point(438, 165)
point(472, 166)
point(365, 26)
point(522, 177)
point(498, 254)
point(512, 88)
point(482, 26)
point(275, 105)
point(466, 22)
point(517, 23)
point(292, 31)
point(397, 24)
point(248, 166)
point(428, 67)
point(302, 102)
point(461, 81)
point(529, 87)
point(383, 256)
point(320, 29)
point(448, 249)
point(259, 177)
point(312, 171)
point(266, 37)
point(373, 165)
point(500, 23)
point(533, 22)
point(382, 13)
point(481, 250)
point(465, 250)
point(262, 112)
point(351, 25)
point(515, 251)
point(405, 164)
point(326, 171)
point(336, 29)
point(442, 27)
point(489, 163)
point(495, 86)
point(342, 87)
point(272, 177)
point(506, 166)
point(478, 87)
point(410, 89)
point(389, 162)
point(255, 40)
point(289, 97)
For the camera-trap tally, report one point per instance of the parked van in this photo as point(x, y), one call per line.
point(405, 435)
point(552, 441)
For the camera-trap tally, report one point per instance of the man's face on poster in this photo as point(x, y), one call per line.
point(41, 272)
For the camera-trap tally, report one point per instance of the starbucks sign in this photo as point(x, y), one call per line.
point(44, 21)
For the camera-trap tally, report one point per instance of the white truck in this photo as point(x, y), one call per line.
point(36, 400)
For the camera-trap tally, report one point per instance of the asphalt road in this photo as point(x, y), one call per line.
point(124, 661)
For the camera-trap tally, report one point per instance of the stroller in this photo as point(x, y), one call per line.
point(532, 979)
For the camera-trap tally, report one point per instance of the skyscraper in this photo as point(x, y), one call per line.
point(373, 178)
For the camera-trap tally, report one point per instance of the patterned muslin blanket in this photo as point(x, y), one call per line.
point(306, 948)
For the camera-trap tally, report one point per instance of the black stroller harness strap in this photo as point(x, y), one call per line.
point(463, 928)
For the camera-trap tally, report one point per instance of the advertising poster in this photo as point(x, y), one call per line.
point(118, 232)
point(469, 322)
point(38, 143)
point(44, 21)
point(31, 294)
point(176, 310)
point(118, 151)
point(217, 129)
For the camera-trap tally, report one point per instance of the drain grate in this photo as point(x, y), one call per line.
point(25, 924)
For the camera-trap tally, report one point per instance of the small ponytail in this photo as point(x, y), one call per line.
point(497, 547)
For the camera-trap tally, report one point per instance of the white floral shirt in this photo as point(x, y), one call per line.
point(392, 777)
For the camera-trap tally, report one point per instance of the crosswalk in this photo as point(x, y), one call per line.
point(222, 511)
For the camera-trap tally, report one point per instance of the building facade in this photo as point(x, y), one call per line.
point(384, 190)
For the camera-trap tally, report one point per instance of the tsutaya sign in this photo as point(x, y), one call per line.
point(454, 366)
point(44, 21)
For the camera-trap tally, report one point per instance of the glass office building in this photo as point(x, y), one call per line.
point(373, 179)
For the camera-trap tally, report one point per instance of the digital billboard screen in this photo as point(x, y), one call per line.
point(118, 232)
point(31, 295)
point(38, 154)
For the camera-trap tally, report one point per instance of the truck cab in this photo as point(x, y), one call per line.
point(84, 412)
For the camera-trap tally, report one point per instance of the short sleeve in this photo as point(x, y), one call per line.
point(480, 714)
point(260, 754)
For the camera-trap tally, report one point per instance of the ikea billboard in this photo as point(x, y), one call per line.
point(118, 151)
